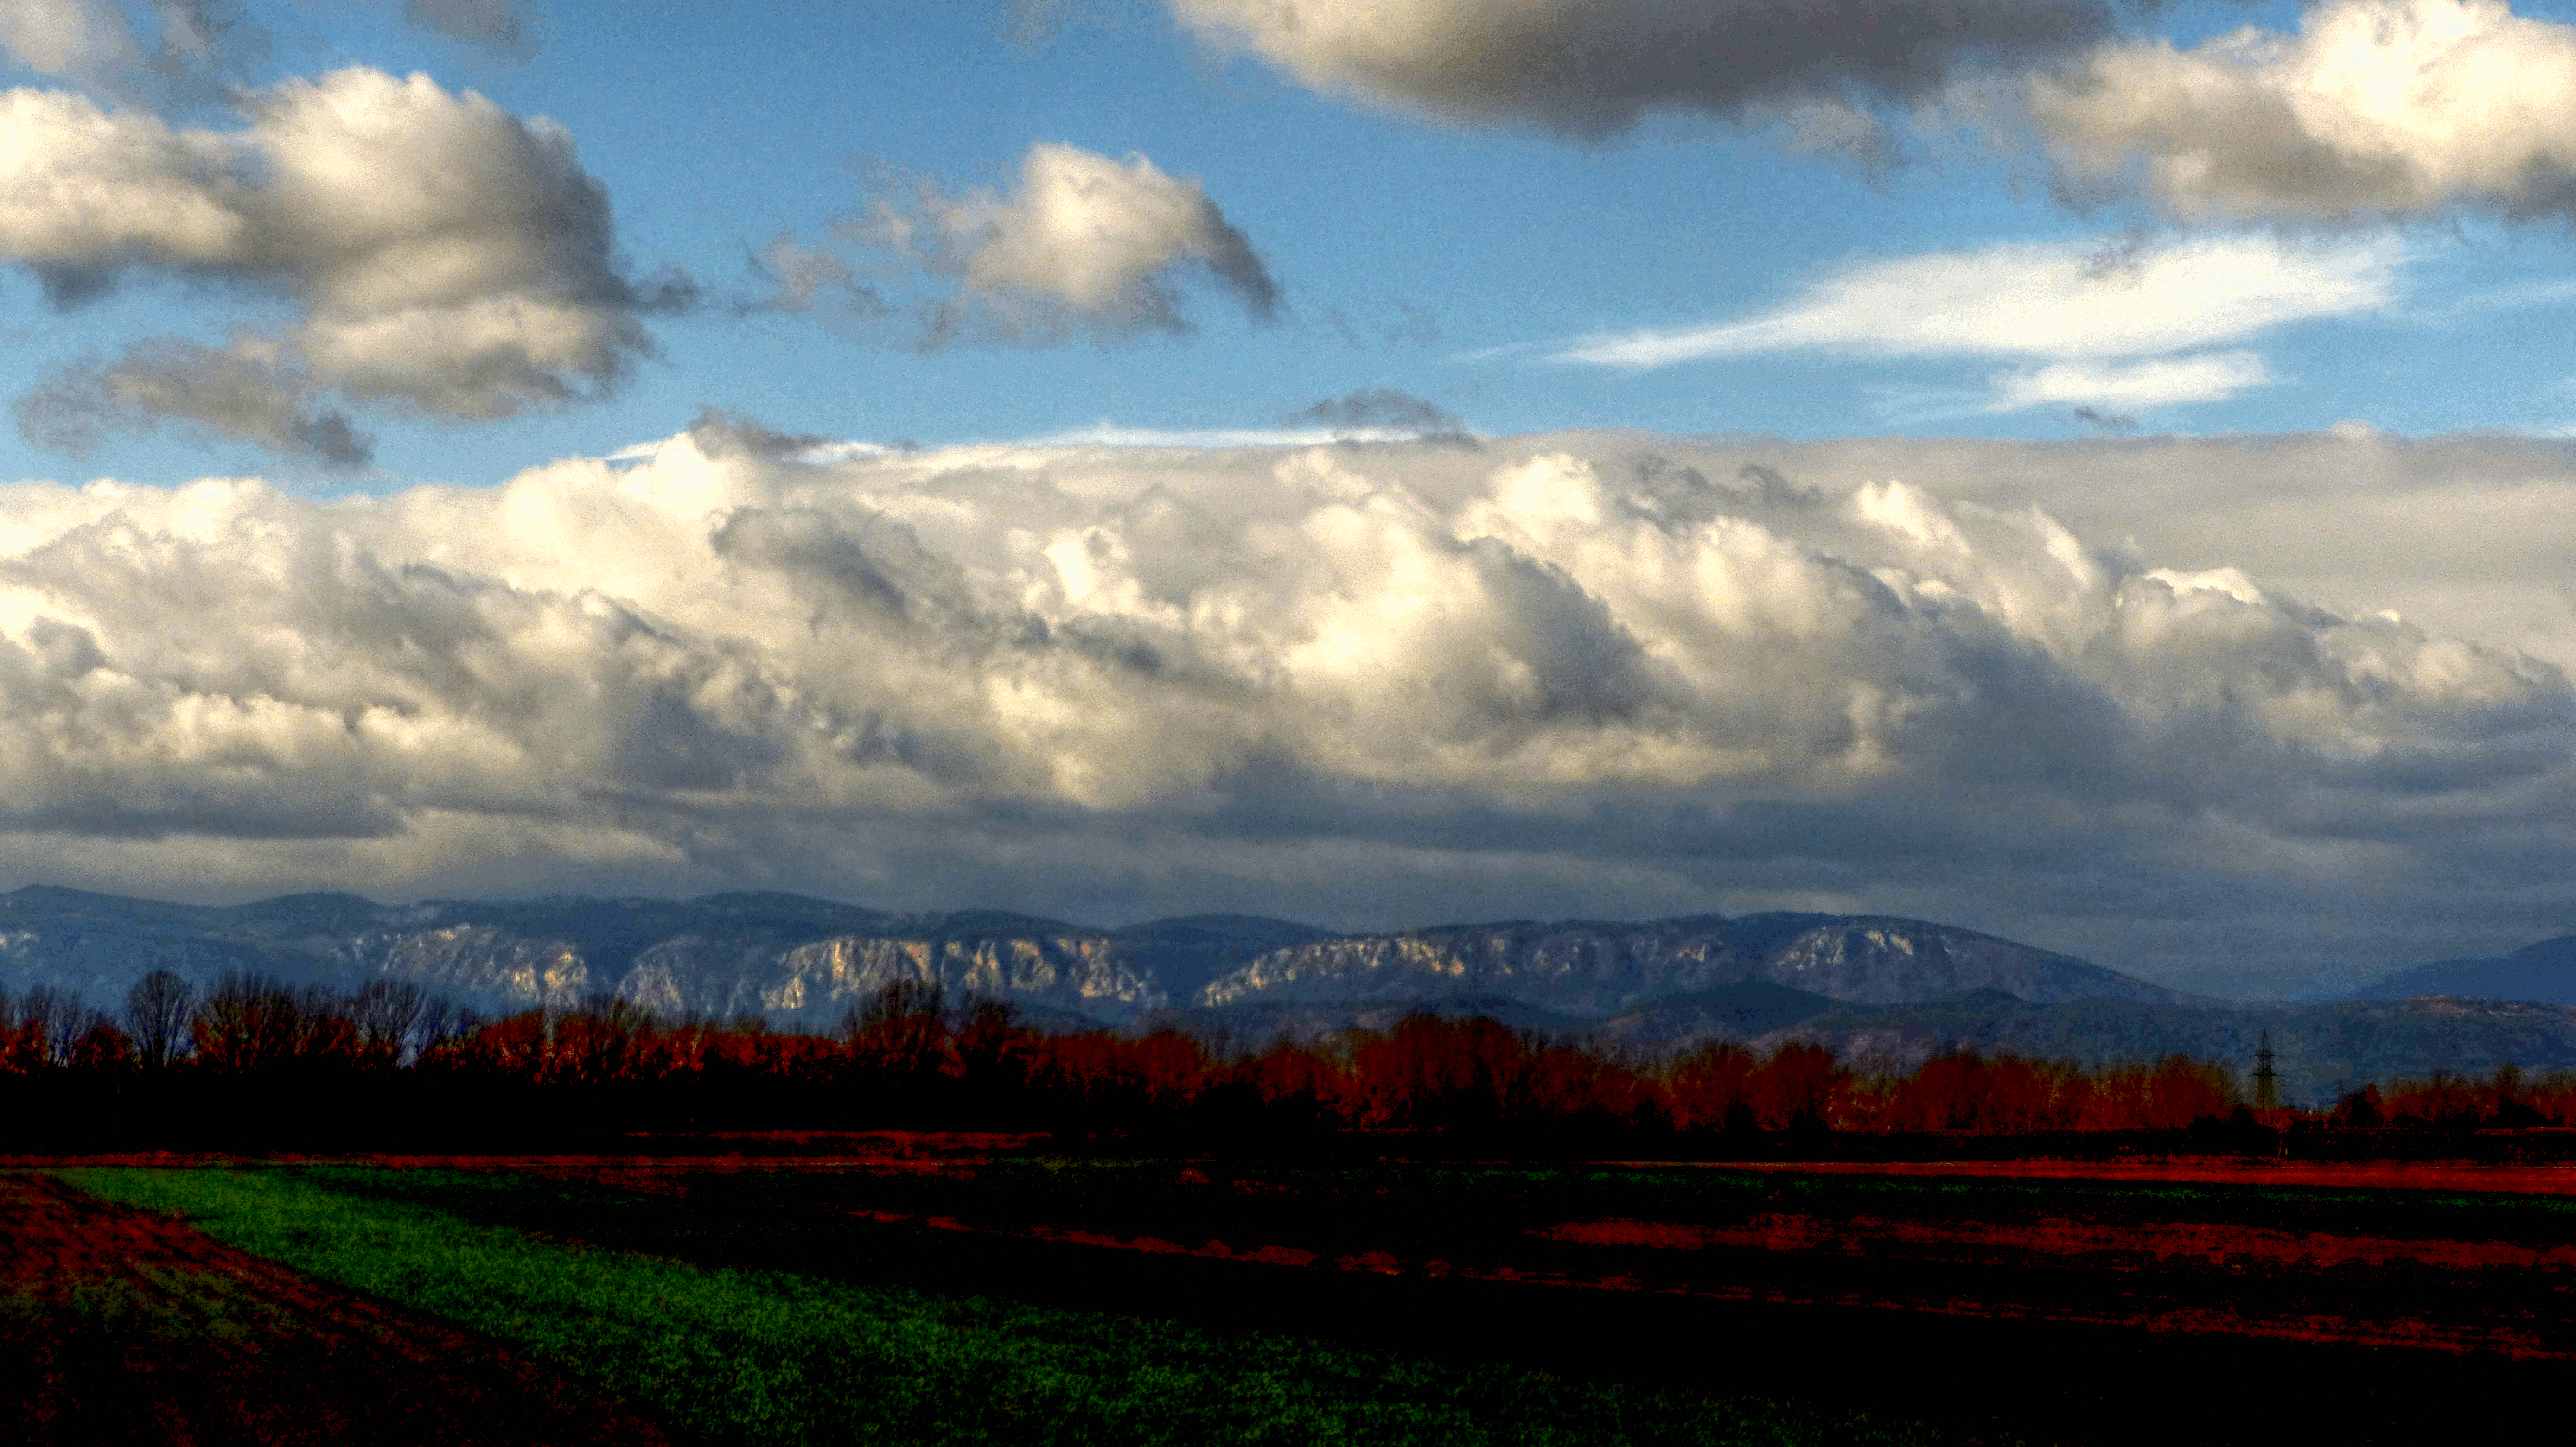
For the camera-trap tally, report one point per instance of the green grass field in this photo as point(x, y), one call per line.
point(771, 1356)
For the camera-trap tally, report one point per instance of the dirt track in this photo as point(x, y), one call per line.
point(117, 1325)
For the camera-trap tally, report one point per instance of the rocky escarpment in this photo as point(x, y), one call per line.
point(1068, 969)
point(1577, 967)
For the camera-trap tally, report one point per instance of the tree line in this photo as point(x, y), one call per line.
point(910, 1057)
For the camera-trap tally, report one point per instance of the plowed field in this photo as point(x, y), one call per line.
point(117, 1325)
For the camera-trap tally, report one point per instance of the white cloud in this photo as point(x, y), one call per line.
point(2159, 383)
point(2376, 108)
point(446, 258)
point(1085, 245)
point(1576, 674)
point(1592, 68)
point(2056, 300)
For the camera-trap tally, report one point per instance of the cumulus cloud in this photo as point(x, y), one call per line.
point(2376, 108)
point(1591, 69)
point(1085, 245)
point(1603, 674)
point(446, 259)
point(2070, 300)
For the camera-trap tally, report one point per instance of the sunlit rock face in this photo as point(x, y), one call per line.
point(1579, 968)
point(1062, 967)
point(482, 960)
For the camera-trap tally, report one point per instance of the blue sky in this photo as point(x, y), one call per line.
point(1451, 261)
point(2103, 475)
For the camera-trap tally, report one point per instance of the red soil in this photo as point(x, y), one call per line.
point(2101, 1245)
point(119, 1325)
point(2111, 1247)
point(2474, 1176)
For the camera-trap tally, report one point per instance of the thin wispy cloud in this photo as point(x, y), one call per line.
point(2061, 300)
point(2134, 386)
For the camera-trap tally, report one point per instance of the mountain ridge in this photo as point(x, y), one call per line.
point(1879, 990)
point(802, 959)
point(2543, 972)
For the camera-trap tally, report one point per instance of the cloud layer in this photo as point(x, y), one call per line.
point(1381, 685)
point(2376, 108)
point(443, 258)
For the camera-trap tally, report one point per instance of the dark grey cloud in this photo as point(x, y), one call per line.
point(2102, 421)
point(223, 393)
point(502, 24)
point(1383, 409)
point(1594, 68)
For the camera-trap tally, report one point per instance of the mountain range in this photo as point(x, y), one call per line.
point(1878, 990)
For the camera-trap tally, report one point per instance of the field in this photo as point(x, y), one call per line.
point(120, 1326)
point(952, 1289)
point(725, 1349)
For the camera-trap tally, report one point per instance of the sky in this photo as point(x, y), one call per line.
point(2099, 474)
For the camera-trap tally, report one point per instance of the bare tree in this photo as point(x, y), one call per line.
point(100, 1045)
point(252, 1022)
point(56, 1019)
point(388, 1014)
point(442, 1020)
point(156, 1014)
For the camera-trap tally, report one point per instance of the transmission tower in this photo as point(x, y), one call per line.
point(2267, 1081)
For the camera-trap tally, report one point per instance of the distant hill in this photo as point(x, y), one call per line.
point(806, 961)
point(1878, 990)
point(2545, 973)
point(1597, 969)
point(2322, 1050)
